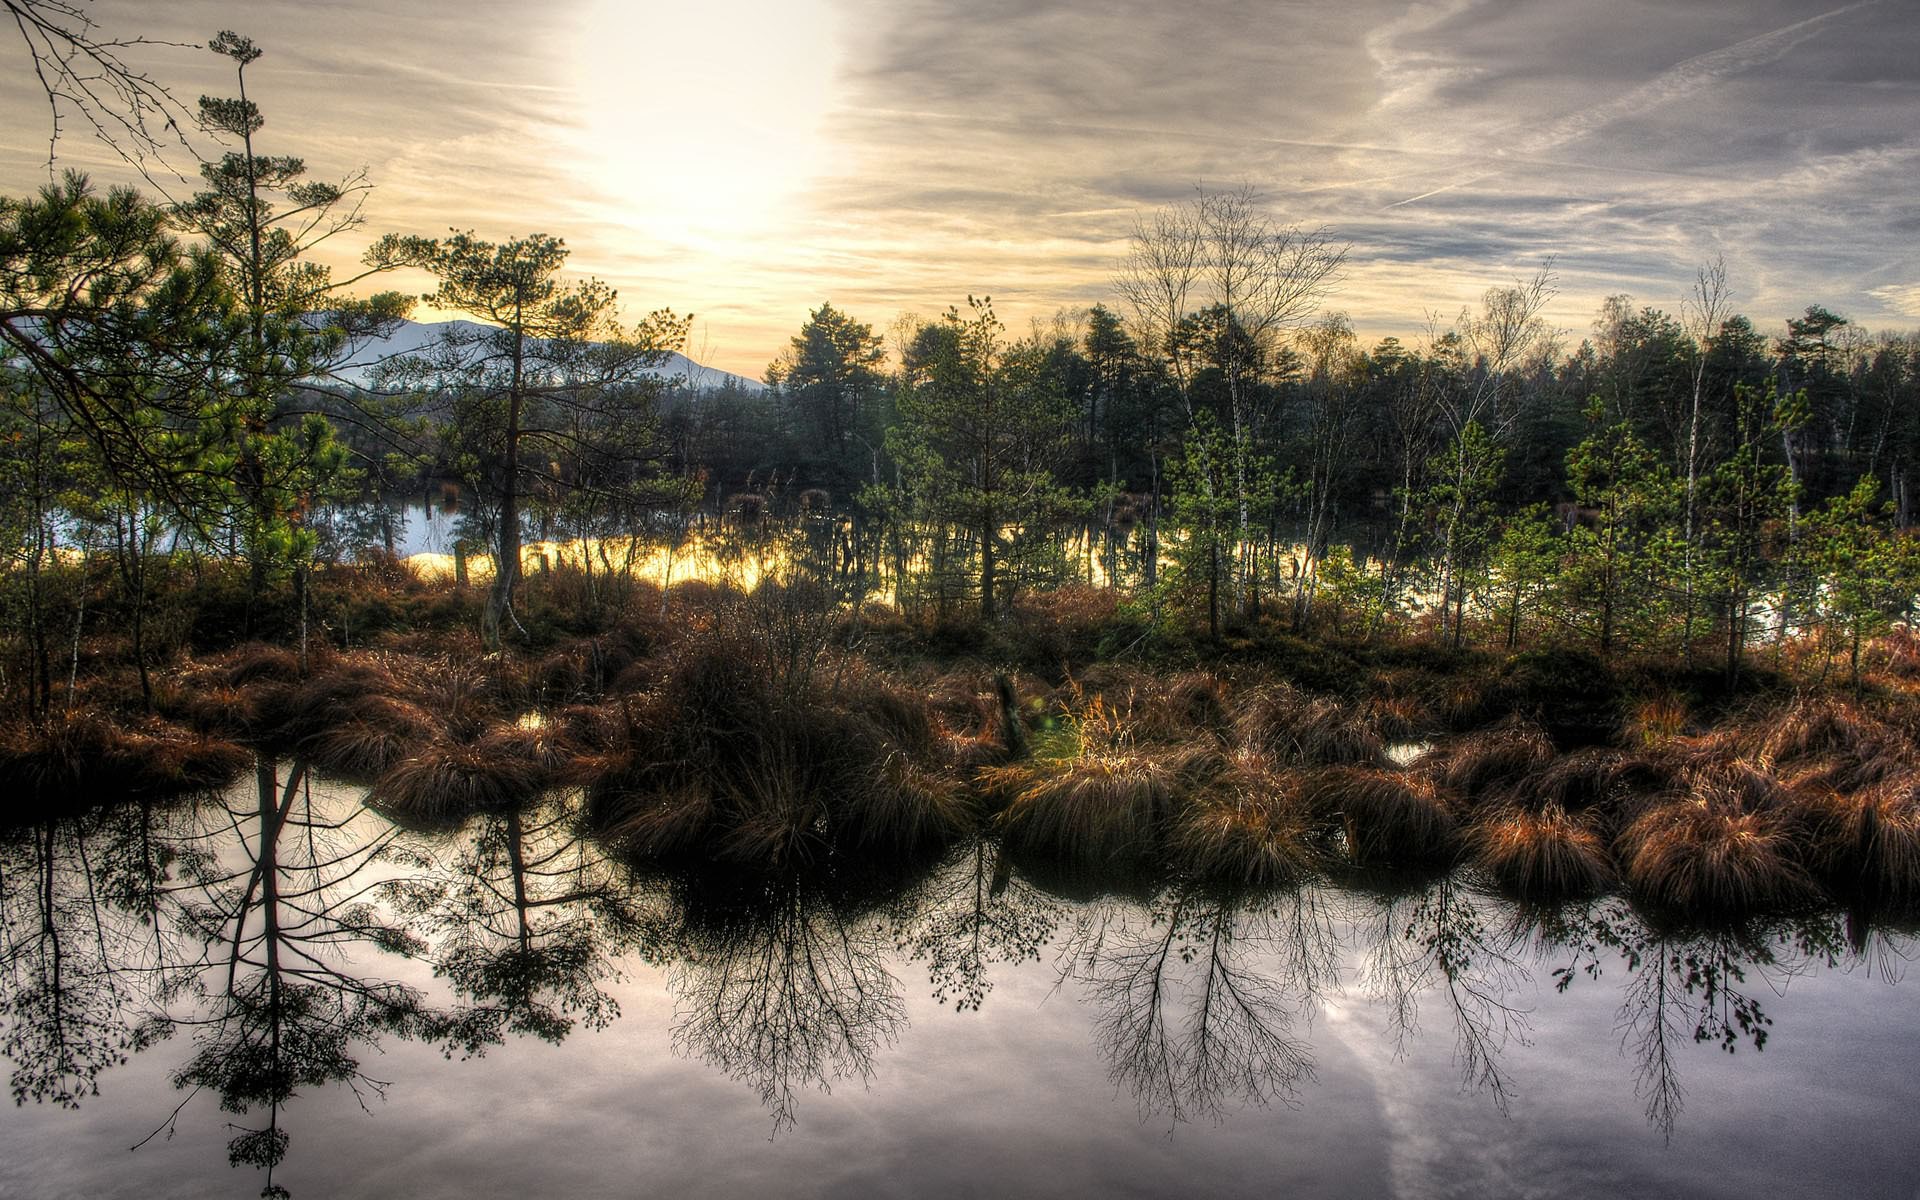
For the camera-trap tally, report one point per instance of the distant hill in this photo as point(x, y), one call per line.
point(413, 336)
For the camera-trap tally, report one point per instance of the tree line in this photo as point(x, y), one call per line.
point(183, 381)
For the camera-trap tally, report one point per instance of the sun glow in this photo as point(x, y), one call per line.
point(702, 121)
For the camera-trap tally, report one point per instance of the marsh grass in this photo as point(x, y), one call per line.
point(80, 758)
point(1482, 764)
point(1868, 843)
point(447, 780)
point(1541, 854)
point(1098, 810)
point(1301, 730)
point(1712, 858)
point(1248, 825)
point(369, 736)
point(1388, 818)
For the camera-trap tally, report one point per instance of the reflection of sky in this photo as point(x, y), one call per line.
point(745, 159)
point(1017, 1100)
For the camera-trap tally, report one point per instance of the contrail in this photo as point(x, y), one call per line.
point(1676, 83)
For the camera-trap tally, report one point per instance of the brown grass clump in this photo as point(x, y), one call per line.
point(1712, 858)
point(257, 660)
point(540, 745)
point(81, 758)
point(1869, 842)
point(1544, 854)
point(1823, 742)
point(1480, 763)
point(729, 760)
point(1197, 700)
point(1657, 721)
point(1251, 826)
point(908, 808)
point(1389, 817)
point(1302, 730)
point(1594, 777)
point(1096, 810)
point(372, 735)
point(663, 824)
point(447, 780)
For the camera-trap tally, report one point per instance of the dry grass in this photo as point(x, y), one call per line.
point(541, 746)
point(1301, 730)
point(1656, 722)
point(1869, 842)
point(1492, 760)
point(1823, 742)
point(1544, 854)
point(447, 780)
point(1093, 811)
point(1249, 826)
point(372, 734)
point(664, 824)
point(81, 758)
point(1389, 817)
point(908, 809)
point(1709, 857)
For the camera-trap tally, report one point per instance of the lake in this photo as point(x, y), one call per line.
point(501, 1008)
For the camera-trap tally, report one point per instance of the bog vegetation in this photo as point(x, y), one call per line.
point(1193, 584)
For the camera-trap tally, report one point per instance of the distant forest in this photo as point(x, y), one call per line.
point(1214, 444)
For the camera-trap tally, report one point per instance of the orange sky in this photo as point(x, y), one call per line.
point(747, 160)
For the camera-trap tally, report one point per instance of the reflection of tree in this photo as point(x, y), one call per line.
point(275, 903)
point(1437, 941)
point(77, 939)
point(1199, 996)
point(525, 923)
point(1687, 986)
point(970, 912)
point(784, 990)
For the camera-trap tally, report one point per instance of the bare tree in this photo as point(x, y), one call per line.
point(83, 72)
point(1705, 309)
point(1479, 415)
point(1216, 275)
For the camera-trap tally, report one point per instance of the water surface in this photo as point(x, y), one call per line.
point(500, 1008)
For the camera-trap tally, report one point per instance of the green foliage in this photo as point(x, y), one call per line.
point(1621, 551)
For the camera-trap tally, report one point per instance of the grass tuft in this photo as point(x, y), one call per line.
point(1545, 854)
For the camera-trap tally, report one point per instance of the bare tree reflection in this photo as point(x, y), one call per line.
point(275, 900)
point(526, 922)
point(782, 990)
point(1437, 942)
point(1199, 995)
point(78, 938)
point(970, 912)
point(1690, 985)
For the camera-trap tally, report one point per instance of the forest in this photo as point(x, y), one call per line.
point(1192, 581)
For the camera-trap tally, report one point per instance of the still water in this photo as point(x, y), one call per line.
point(499, 1008)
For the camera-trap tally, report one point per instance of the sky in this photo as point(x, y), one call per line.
point(747, 160)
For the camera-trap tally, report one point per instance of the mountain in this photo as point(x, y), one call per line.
point(414, 336)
